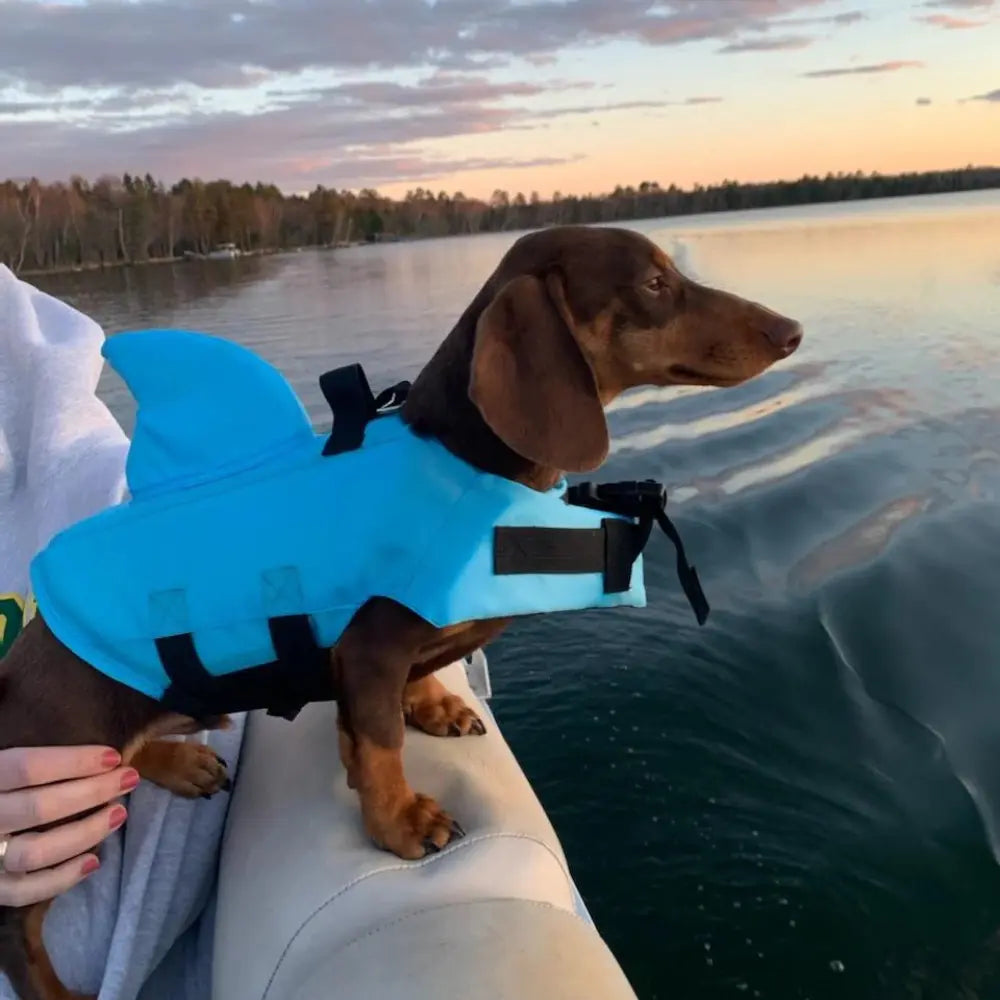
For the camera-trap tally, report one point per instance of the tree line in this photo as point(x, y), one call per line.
point(134, 220)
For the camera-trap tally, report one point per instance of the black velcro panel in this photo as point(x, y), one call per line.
point(547, 550)
point(610, 550)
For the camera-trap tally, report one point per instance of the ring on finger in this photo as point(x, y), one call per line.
point(4, 842)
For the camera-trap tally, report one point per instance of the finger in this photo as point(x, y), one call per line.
point(23, 767)
point(30, 852)
point(33, 807)
point(23, 890)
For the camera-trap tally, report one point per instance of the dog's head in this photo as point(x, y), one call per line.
point(574, 315)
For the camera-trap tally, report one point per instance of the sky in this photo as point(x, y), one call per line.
point(574, 96)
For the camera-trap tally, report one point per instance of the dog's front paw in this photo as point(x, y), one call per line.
point(420, 828)
point(429, 706)
point(191, 770)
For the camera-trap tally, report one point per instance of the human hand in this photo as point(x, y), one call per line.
point(40, 785)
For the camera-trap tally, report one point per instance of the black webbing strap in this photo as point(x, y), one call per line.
point(301, 674)
point(611, 549)
point(187, 674)
point(350, 397)
point(307, 674)
point(646, 501)
point(686, 573)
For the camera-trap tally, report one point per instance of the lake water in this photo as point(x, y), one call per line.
point(801, 799)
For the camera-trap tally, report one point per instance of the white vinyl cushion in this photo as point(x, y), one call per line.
point(309, 909)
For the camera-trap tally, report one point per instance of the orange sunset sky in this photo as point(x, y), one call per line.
point(534, 95)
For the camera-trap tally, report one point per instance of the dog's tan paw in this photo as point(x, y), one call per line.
point(429, 706)
point(420, 828)
point(191, 770)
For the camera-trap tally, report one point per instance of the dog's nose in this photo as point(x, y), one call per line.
point(785, 334)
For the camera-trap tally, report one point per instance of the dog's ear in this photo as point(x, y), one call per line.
point(531, 381)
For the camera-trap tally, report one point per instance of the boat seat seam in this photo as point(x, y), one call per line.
point(454, 848)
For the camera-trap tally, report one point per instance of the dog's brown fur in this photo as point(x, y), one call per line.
point(571, 317)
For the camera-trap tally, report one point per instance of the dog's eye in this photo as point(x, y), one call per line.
point(657, 285)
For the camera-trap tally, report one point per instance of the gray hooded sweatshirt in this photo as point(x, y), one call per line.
point(141, 926)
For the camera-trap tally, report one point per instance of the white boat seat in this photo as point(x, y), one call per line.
point(309, 909)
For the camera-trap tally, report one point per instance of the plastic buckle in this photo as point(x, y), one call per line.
point(631, 498)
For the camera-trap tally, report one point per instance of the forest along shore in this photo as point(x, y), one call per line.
point(131, 220)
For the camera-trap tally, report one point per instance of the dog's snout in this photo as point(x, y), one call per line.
point(784, 334)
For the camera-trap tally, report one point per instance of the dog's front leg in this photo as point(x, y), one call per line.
point(190, 770)
point(371, 676)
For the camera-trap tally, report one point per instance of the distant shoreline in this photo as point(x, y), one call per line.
point(116, 265)
point(74, 228)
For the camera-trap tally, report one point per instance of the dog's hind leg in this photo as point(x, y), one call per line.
point(429, 706)
point(24, 958)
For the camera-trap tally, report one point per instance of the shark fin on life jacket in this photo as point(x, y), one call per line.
point(206, 408)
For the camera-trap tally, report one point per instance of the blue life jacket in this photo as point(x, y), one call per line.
point(249, 541)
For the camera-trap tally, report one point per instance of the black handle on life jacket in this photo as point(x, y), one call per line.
point(354, 406)
point(645, 500)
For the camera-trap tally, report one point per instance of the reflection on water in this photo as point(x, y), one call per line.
point(801, 799)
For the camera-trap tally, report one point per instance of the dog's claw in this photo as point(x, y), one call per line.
point(456, 828)
point(430, 846)
point(206, 795)
point(227, 785)
point(454, 730)
point(221, 760)
point(477, 727)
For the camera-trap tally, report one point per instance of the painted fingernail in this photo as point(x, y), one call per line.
point(111, 758)
point(90, 866)
point(129, 780)
point(118, 816)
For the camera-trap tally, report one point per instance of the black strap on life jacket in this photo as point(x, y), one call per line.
point(301, 674)
point(611, 549)
point(354, 406)
point(647, 501)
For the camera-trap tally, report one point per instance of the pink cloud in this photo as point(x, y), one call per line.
point(951, 22)
point(884, 67)
point(766, 44)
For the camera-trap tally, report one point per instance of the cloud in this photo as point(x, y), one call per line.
point(951, 22)
point(298, 152)
point(373, 170)
point(275, 89)
point(591, 109)
point(924, 101)
point(848, 17)
point(116, 43)
point(355, 135)
point(885, 67)
point(438, 90)
point(960, 4)
point(841, 20)
point(992, 96)
point(768, 44)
